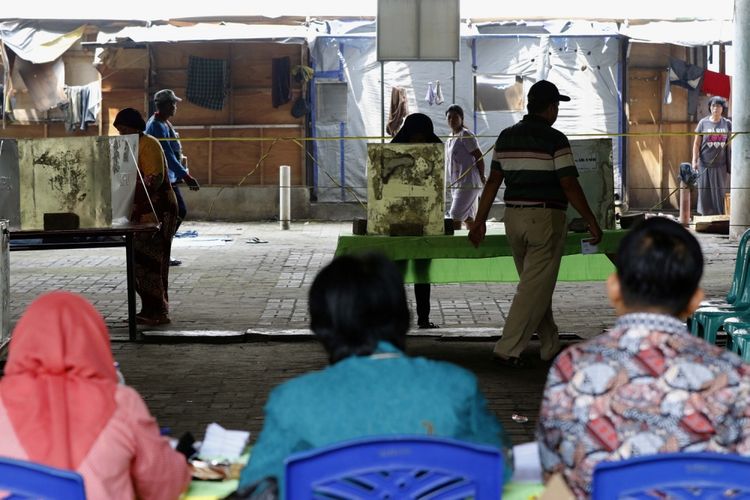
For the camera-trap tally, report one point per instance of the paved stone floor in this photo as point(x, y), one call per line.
point(229, 284)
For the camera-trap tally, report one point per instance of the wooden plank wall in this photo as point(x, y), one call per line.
point(262, 132)
point(248, 115)
point(654, 156)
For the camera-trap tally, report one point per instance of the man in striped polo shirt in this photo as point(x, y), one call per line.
point(536, 163)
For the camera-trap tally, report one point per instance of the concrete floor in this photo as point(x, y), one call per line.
point(229, 284)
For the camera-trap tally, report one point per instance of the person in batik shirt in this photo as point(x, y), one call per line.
point(646, 386)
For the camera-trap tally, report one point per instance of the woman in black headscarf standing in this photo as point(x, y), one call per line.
point(418, 128)
point(154, 202)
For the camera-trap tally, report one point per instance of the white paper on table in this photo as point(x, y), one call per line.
point(223, 443)
point(528, 468)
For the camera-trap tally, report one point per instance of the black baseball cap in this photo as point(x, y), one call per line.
point(543, 93)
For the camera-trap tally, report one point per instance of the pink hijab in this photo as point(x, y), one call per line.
point(60, 381)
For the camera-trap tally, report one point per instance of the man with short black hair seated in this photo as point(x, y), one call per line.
point(646, 386)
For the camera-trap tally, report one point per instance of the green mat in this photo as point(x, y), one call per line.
point(452, 259)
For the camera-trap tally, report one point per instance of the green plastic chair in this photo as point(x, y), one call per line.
point(741, 262)
point(738, 336)
point(706, 321)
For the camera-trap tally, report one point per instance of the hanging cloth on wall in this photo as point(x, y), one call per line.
point(438, 93)
point(399, 110)
point(91, 99)
point(430, 97)
point(82, 106)
point(685, 75)
point(207, 84)
point(281, 81)
point(715, 84)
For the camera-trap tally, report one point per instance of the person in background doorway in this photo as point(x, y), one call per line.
point(160, 127)
point(358, 311)
point(712, 158)
point(464, 169)
point(154, 202)
point(61, 405)
point(418, 129)
point(536, 163)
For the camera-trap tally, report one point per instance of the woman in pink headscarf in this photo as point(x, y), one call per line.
point(61, 405)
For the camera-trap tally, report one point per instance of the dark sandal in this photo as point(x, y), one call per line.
point(510, 362)
point(428, 325)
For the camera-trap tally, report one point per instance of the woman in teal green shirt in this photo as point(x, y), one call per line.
point(358, 311)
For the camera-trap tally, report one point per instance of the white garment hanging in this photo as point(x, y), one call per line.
point(438, 93)
point(430, 97)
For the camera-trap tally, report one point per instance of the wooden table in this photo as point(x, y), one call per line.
point(90, 238)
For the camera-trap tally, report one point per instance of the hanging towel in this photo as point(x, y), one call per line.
point(438, 93)
point(688, 76)
point(430, 97)
point(715, 84)
point(207, 82)
point(281, 81)
point(399, 110)
point(72, 108)
point(91, 98)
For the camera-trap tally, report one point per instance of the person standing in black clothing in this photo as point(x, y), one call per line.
point(418, 128)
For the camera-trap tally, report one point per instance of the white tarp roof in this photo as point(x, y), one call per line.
point(204, 32)
point(148, 10)
point(689, 33)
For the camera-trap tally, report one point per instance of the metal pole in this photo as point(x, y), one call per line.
point(4, 284)
point(382, 102)
point(453, 99)
point(739, 219)
point(284, 196)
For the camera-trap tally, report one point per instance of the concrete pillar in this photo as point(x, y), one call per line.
point(285, 197)
point(4, 284)
point(739, 219)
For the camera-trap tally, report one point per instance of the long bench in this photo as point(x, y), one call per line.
point(65, 239)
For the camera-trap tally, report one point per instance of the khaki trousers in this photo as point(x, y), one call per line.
point(537, 239)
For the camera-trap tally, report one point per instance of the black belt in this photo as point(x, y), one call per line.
point(543, 204)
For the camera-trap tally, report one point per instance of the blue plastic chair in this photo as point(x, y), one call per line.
point(676, 476)
point(403, 467)
point(39, 482)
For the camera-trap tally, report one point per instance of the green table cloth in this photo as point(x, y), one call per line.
point(453, 259)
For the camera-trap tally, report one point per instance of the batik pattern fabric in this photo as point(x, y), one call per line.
point(643, 388)
point(207, 82)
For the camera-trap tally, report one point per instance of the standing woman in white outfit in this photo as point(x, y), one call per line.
point(464, 168)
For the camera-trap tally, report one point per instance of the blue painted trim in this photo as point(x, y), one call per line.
point(342, 163)
point(327, 74)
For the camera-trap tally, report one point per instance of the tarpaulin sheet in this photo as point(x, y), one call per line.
point(37, 45)
point(584, 67)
